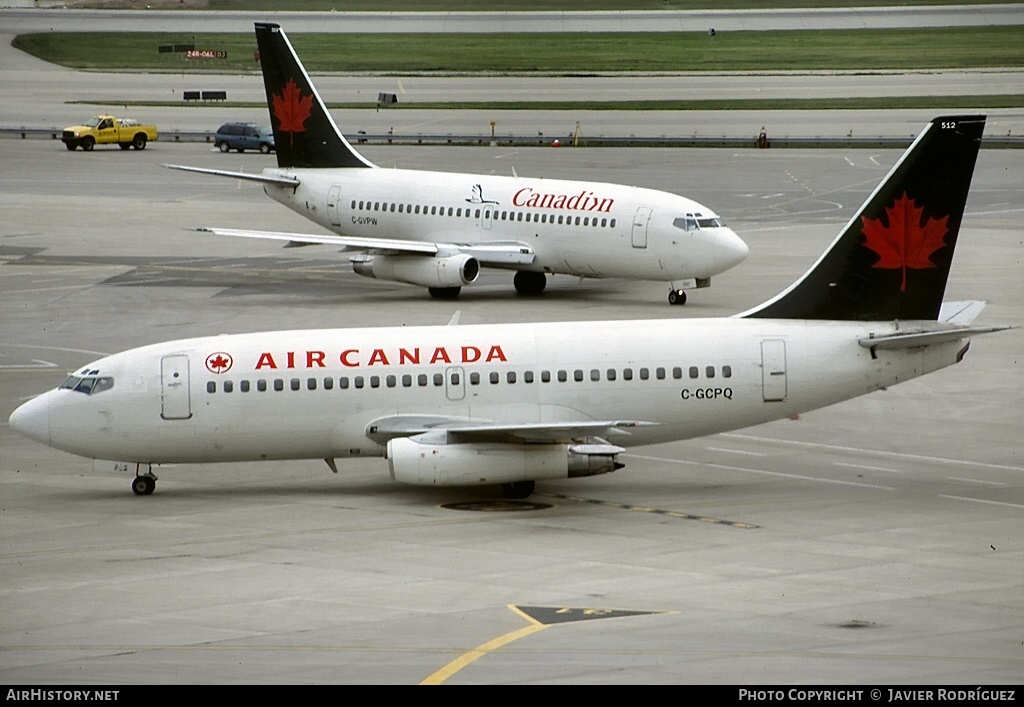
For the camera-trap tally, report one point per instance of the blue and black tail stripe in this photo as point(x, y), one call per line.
point(892, 260)
point(304, 132)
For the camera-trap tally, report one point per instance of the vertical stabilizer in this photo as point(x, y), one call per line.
point(304, 132)
point(892, 259)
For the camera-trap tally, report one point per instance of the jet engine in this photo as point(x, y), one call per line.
point(428, 464)
point(424, 270)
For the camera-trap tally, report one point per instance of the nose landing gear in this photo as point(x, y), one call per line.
point(143, 484)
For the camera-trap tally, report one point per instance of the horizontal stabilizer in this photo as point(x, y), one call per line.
point(264, 178)
point(910, 340)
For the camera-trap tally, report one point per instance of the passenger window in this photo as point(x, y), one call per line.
point(390, 381)
point(244, 386)
point(311, 384)
point(421, 379)
point(494, 377)
point(295, 384)
point(577, 375)
point(343, 383)
point(328, 383)
point(563, 376)
point(527, 376)
point(709, 371)
point(358, 382)
point(659, 373)
point(611, 374)
point(406, 381)
point(627, 374)
point(595, 374)
point(211, 387)
point(261, 385)
point(545, 376)
point(644, 374)
point(677, 372)
point(694, 372)
point(228, 386)
point(474, 378)
point(510, 376)
point(374, 381)
point(726, 371)
point(278, 384)
point(438, 379)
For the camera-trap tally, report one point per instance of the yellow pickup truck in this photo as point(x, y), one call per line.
point(108, 130)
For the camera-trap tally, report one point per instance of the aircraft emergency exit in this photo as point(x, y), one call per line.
point(513, 404)
point(438, 229)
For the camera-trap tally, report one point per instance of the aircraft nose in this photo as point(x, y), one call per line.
point(33, 419)
point(730, 250)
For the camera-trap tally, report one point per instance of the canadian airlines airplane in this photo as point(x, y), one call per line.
point(513, 404)
point(437, 229)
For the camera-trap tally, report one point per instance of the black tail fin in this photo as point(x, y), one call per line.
point(304, 132)
point(892, 259)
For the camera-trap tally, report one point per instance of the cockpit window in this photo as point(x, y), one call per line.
point(90, 385)
point(687, 223)
point(691, 222)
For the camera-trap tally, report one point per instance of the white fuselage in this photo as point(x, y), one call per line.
point(316, 394)
point(588, 229)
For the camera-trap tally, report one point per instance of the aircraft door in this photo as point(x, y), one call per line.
point(455, 383)
point(486, 217)
point(640, 221)
point(175, 403)
point(773, 370)
point(333, 205)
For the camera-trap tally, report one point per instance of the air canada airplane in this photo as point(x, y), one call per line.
point(437, 229)
point(513, 404)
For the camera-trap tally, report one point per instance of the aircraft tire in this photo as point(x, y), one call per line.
point(143, 485)
point(676, 297)
point(519, 489)
point(444, 292)
point(530, 283)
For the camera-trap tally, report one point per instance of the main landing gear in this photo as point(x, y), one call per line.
point(677, 296)
point(518, 489)
point(444, 292)
point(143, 484)
point(530, 283)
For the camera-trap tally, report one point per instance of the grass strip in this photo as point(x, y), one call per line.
point(555, 53)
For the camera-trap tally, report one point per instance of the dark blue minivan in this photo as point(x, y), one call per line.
point(244, 136)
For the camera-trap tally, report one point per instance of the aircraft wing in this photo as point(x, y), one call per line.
point(287, 181)
point(447, 430)
point(490, 253)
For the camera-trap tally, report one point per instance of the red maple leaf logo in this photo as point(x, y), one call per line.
point(905, 242)
point(291, 109)
point(219, 363)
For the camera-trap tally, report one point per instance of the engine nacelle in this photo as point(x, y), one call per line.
point(424, 270)
point(411, 462)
